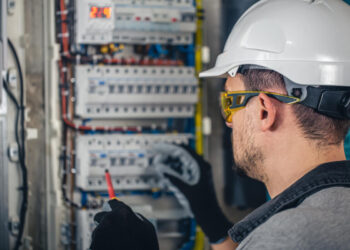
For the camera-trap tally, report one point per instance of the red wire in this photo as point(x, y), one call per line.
point(64, 29)
point(72, 125)
point(68, 122)
point(65, 45)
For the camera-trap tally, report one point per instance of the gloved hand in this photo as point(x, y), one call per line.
point(191, 174)
point(123, 229)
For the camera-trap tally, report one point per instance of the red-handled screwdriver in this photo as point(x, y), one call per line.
point(110, 185)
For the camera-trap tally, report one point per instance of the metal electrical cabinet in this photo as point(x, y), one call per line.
point(127, 78)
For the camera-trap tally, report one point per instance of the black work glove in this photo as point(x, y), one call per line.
point(122, 229)
point(191, 174)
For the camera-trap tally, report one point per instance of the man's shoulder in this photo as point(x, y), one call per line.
point(318, 211)
point(325, 205)
point(321, 217)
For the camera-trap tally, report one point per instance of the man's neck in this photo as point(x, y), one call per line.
point(284, 169)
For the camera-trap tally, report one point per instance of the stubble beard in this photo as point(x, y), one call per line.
point(248, 157)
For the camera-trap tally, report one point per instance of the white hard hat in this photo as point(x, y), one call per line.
point(307, 41)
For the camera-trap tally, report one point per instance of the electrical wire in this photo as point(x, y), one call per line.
point(63, 160)
point(68, 59)
point(64, 29)
point(20, 140)
point(69, 123)
point(68, 55)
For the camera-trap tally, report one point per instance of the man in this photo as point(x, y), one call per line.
point(287, 100)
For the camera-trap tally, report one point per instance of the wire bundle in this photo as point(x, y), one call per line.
point(20, 141)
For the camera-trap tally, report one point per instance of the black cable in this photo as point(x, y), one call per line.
point(20, 154)
point(14, 100)
point(21, 98)
point(20, 139)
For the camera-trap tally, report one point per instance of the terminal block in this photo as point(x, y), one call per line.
point(135, 91)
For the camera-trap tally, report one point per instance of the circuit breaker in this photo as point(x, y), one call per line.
point(127, 157)
point(137, 22)
point(135, 91)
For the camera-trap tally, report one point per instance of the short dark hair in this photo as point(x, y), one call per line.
point(315, 126)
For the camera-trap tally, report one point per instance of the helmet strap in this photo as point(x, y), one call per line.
point(331, 101)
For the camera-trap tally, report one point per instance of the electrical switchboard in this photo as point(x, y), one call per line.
point(127, 80)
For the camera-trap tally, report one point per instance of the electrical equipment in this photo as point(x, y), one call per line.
point(136, 22)
point(100, 12)
point(139, 111)
point(85, 226)
point(127, 80)
point(135, 91)
point(125, 156)
point(167, 221)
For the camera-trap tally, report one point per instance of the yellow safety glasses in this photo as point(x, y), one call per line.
point(233, 101)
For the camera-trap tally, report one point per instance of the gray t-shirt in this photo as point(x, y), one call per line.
point(321, 221)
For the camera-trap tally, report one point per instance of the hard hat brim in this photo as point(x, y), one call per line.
point(217, 72)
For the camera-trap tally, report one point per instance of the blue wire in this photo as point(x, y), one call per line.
point(190, 244)
point(160, 50)
point(190, 55)
point(83, 198)
point(189, 51)
point(170, 123)
point(85, 121)
point(156, 195)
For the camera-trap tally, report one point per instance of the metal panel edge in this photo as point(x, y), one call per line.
point(4, 232)
point(4, 229)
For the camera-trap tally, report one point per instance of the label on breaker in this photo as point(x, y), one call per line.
point(135, 91)
point(140, 22)
point(125, 156)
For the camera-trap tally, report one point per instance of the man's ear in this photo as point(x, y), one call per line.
point(267, 111)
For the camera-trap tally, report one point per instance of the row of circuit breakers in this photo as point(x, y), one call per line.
point(135, 21)
point(110, 92)
point(128, 158)
point(135, 92)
